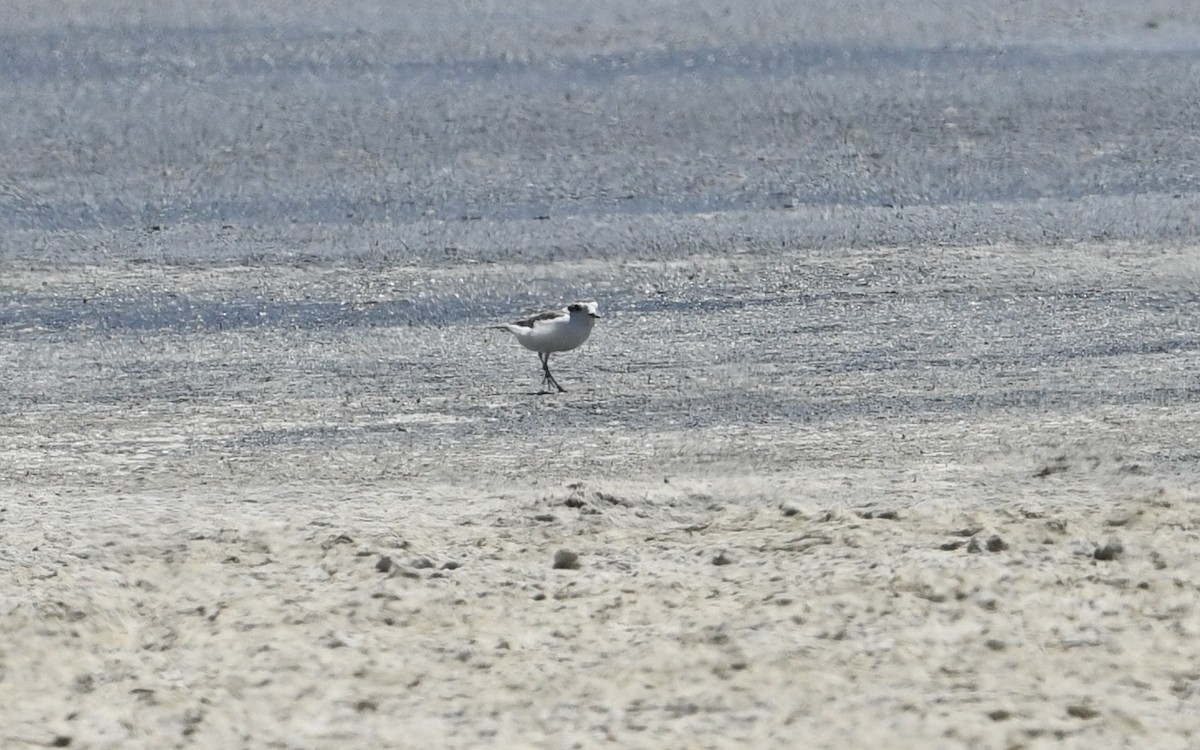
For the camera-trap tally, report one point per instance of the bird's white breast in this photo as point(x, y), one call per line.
point(555, 335)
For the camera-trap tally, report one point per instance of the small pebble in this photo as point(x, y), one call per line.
point(1080, 711)
point(886, 515)
point(565, 559)
point(722, 559)
point(1111, 550)
point(383, 564)
point(1060, 465)
point(992, 544)
point(334, 541)
point(421, 563)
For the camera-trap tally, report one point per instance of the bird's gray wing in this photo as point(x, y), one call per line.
point(529, 322)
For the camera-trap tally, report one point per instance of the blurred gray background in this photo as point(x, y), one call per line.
point(526, 131)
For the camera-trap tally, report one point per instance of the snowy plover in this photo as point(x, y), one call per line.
point(556, 331)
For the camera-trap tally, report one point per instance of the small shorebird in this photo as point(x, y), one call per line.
point(556, 331)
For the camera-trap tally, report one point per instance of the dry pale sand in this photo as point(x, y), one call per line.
point(732, 613)
point(921, 555)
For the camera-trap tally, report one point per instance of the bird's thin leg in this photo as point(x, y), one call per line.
point(544, 357)
point(547, 378)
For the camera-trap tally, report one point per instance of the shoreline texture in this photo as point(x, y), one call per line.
point(888, 436)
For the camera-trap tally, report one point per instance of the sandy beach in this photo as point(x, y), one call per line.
point(888, 436)
point(288, 559)
point(1015, 602)
point(701, 616)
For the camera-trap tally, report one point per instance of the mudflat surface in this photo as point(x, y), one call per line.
point(888, 435)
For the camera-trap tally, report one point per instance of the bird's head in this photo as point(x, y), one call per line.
point(590, 309)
